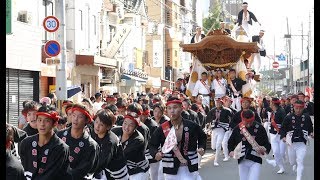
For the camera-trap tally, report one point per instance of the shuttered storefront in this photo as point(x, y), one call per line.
point(21, 85)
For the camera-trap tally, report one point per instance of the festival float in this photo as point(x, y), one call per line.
point(219, 50)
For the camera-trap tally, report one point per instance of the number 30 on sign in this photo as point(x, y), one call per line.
point(51, 23)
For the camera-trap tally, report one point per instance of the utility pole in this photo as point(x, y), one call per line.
point(308, 50)
point(290, 60)
point(274, 56)
point(61, 76)
point(302, 60)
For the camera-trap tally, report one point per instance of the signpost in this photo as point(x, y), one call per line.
point(52, 48)
point(51, 24)
point(275, 65)
point(281, 57)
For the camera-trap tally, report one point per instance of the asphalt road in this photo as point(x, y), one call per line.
point(229, 170)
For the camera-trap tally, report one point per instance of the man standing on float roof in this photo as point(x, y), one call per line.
point(245, 18)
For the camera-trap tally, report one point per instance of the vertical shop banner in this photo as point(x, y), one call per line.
point(157, 53)
point(8, 17)
point(121, 34)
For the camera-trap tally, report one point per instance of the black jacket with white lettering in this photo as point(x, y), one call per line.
point(47, 162)
point(279, 116)
point(240, 17)
point(30, 131)
point(112, 159)
point(310, 108)
point(84, 154)
point(144, 130)
point(237, 119)
point(193, 137)
point(225, 118)
point(134, 151)
point(152, 125)
point(14, 169)
point(300, 127)
point(260, 135)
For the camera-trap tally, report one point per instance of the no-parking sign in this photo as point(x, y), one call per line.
point(51, 23)
point(52, 48)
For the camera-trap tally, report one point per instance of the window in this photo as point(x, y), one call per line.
point(168, 57)
point(81, 25)
point(175, 64)
point(175, 53)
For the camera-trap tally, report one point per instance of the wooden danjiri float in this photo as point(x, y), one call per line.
point(219, 50)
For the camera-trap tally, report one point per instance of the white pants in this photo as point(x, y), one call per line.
point(183, 174)
point(247, 28)
point(236, 103)
point(225, 140)
point(206, 101)
point(216, 141)
point(278, 149)
point(249, 170)
point(256, 62)
point(199, 160)
point(140, 176)
point(156, 171)
point(296, 153)
point(266, 126)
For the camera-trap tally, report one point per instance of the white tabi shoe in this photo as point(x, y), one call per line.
point(225, 159)
point(215, 164)
point(271, 162)
point(281, 171)
point(294, 168)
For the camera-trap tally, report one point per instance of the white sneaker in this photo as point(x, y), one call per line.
point(226, 159)
point(215, 164)
point(294, 168)
point(271, 162)
point(281, 171)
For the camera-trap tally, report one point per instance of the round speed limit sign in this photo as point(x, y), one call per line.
point(51, 23)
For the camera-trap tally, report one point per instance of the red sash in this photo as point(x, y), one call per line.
point(274, 124)
point(250, 139)
point(219, 82)
point(166, 129)
point(205, 85)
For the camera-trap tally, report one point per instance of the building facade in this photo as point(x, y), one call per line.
point(23, 55)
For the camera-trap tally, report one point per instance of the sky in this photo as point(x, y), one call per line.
point(272, 16)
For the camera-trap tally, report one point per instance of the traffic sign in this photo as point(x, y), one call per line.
point(275, 65)
point(52, 48)
point(51, 23)
point(281, 57)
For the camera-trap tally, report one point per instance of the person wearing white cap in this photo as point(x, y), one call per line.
point(262, 52)
point(245, 18)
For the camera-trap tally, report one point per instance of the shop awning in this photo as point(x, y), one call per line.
point(73, 90)
point(129, 77)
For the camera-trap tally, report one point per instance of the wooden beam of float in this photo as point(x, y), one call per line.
point(218, 49)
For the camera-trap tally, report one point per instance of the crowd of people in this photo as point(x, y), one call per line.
point(156, 136)
point(160, 136)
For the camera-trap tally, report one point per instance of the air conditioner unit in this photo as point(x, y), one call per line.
point(24, 16)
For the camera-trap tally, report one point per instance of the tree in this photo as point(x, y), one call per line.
point(213, 20)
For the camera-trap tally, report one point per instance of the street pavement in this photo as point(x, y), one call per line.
point(229, 170)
